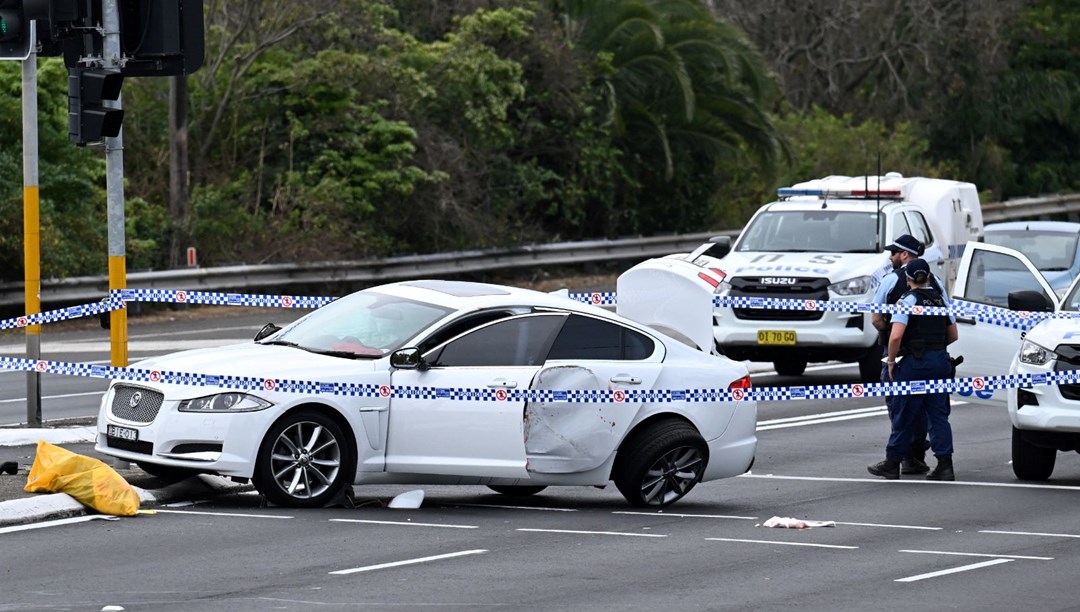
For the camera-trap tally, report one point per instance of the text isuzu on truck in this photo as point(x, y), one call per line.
point(825, 240)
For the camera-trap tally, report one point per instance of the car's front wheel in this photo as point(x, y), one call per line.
point(1031, 462)
point(661, 464)
point(304, 461)
point(516, 490)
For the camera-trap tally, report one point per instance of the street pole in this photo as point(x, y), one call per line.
point(114, 178)
point(31, 233)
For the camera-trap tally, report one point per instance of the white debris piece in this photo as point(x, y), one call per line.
point(794, 523)
point(408, 499)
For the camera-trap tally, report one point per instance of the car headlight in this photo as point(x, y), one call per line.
point(852, 286)
point(1033, 354)
point(224, 402)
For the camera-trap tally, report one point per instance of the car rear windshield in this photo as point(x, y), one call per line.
point(1048, 251)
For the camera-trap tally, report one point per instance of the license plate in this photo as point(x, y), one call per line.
point(775, 336)
point(124, 433)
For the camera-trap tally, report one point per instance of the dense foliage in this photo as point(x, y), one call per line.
point(343, 129)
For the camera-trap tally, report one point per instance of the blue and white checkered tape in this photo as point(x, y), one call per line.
point(63, 314)
point(221, 299)
point(570, 396)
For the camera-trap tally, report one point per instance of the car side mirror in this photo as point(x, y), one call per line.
point(721, 246)
point(267, 330)
point(1031, 301)
point(407, 359)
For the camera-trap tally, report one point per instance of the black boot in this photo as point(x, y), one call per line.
point(888, 469)
point(943, 470)
point(913, 465)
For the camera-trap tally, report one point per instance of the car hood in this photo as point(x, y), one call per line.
point(259, 361)
point(835, 267)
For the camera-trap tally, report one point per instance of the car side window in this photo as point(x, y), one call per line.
point(900, 227)
point(993, 275)
point(588, 338)
point(518, 341)
point(919, 228)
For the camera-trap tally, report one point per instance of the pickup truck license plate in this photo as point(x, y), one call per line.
point(775, 336)
point(124, 433)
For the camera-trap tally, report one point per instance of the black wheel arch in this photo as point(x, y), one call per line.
point(331, 413)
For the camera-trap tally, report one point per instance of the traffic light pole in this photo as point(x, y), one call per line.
point(31, 234)
point(114, 177)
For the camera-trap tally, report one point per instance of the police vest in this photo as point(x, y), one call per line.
point(899, 290)
point(924, 332)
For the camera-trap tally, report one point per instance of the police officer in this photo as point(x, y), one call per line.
point(892, 288)
point(916, 351)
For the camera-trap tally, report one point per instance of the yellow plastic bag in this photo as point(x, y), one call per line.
point(88, 480)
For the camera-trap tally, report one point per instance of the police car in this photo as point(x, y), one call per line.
point(1045, 418)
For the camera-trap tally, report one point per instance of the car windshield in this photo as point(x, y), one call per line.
point(366, 324)
point(796, 231)
point(1048, 251)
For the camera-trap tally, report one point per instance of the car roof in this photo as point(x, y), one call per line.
point(837, 205)
point(1035, 226)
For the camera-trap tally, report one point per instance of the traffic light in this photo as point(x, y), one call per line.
point(16, 36)
point(161, 37)
point(89, 120)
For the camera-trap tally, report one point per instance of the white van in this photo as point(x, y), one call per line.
point(825, 240)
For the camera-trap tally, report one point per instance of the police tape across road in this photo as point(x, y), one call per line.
point(961, 386)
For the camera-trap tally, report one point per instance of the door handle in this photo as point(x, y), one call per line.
point(502, 384)
point(969, 321)
point(625, 378)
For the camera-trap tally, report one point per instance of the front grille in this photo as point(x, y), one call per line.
point(145, 448)
point(136, 404)
point(800, 289)
point(1068, 359)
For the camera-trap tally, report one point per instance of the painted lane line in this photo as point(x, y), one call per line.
point(890, 526)
point(370, 568)
point(962, 568)
point(405, 523)
point(235, 514)
point(511, 507)
point(1032, 533)
point(23, 399)
point(958, 483)
point(716, 516)
point(57, 523)
point(782, 543)
point(613, 533)
point(964, 554)
point(850, 417)
point(821, 415)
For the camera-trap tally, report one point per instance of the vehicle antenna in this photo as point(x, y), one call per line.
point(877, 218)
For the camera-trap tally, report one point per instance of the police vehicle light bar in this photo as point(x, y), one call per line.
point(787, 192)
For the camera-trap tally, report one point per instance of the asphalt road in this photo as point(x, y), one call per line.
point(985, 542)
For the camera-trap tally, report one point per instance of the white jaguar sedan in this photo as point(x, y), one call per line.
point(444, 382)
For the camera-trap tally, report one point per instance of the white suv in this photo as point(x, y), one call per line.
point(1045, 418)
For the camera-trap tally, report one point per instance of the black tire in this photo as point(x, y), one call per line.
point(870, 366)
point(790, 367)
point(1031, 462)
point(290, 475)
point(166, 472)
point(516, 490)
point(660, 464)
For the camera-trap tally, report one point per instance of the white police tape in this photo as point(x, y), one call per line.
point(962, 386)
point(63, 314)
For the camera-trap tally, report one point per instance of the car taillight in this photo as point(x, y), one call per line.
point(742, 383)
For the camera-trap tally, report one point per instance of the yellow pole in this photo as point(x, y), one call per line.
point(32, 254)
point(118, 332)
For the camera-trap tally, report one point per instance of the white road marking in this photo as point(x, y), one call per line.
point(235, 514)
point(718, 516)
point(511, 507)
point(405, 523)
point(782, 543)
point(849, 417)
point(57, 523)
point(808, 417)
point(962, 568)
point(1032, 533)
point(369, 568)
point(22, 400)
point(614, 533)
point(964, 554)
point(828, 417)
point(958, 483)
point(890, 526)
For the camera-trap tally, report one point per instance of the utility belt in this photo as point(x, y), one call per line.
point(918, 348)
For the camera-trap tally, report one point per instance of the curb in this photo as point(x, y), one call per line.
point(61, 505)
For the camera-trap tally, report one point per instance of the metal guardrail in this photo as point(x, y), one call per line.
point(277, 276)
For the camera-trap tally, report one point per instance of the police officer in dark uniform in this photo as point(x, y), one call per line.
point(892, 288)
point(917, 352)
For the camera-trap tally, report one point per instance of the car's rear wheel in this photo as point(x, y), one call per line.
point(166, 472)
point(790, 367)
point(516, 490)
point(304, 461)
point(1031, 462)
point(660, 464)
